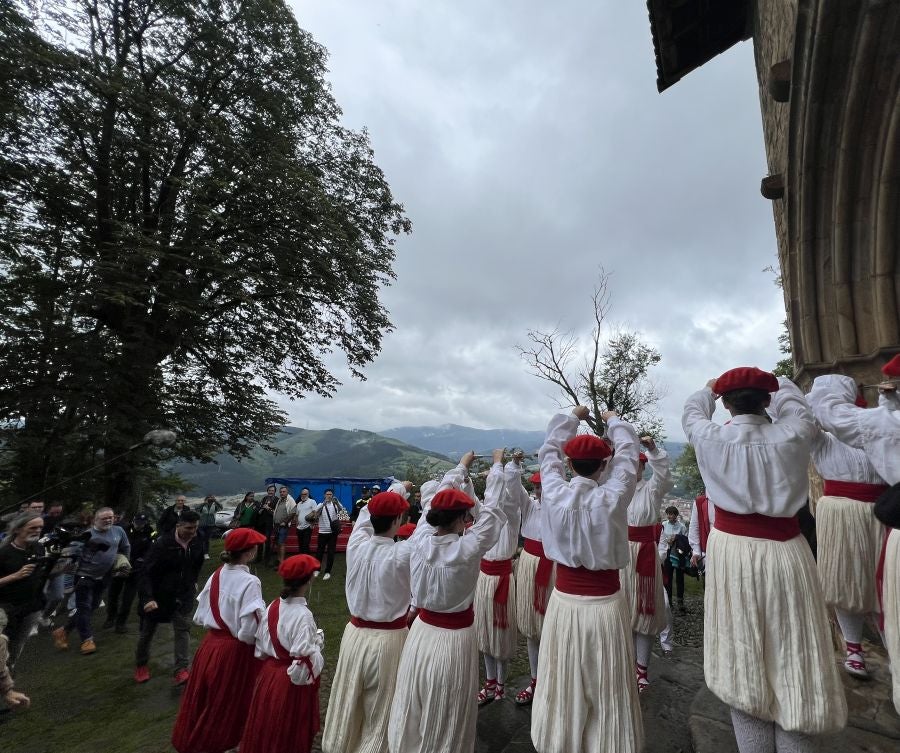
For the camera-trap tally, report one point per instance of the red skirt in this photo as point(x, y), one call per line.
point(284, 718)
point(214, 705)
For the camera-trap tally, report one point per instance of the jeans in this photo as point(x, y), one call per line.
point(124, 589)
point(54, 592)
point(181, 629)
point(22, 620)
point(88, 593)
point(303, 537)
point(329, 541)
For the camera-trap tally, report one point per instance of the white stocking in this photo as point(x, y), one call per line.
point(534, 646)
point(490, 667)
point(794, 742)
point(642, 646)
point(851, 625)
point(753, 735)
point(501, 672)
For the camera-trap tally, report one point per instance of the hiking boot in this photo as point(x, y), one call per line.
point(60, 639)
point(88, 647)
point(181, 677)
point(142, 673)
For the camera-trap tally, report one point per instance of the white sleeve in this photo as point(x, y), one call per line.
point(623, 466)
point(662, 548)
point(484, 534)
point(832, 399)
point(694, 530)
point(252, 610)
point(307, 643)
point(562, 427)
point(789, 406)
point(661, 481)
point(697, 416)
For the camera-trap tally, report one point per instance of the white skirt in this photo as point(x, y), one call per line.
point(492, 640)
point(435, 703)
point(362, 690)
point(891, 596)
point(586, 697)
point(528, 619)
point(648, 624)
point(849, 543)
point(766, 640)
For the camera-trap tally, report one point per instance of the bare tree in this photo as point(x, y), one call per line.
point(609, 371)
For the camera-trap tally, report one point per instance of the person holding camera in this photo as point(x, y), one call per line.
point(22, 576)
point(97, 559)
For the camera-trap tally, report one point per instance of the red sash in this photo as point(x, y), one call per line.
point(879, 578)
point(757, 526)
point(542, 575)
point(502, 568)
point(214, 603)
point(646, 565)
point(397, 624)
point(702, 509)
point(579, 581)
point(854, 490)
point(448, 620)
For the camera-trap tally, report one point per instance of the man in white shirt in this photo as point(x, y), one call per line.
point(306, 505)
point(767, 643)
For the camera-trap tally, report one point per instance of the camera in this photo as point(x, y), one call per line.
point(59, 538)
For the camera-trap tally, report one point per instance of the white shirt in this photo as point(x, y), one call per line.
point(508, 542)
point(533, 520)
point(585, 522)
point(837, 461)
point(304, 508)
point(334, 510)
point(398, 487)
point(378, 579)
point(298, 633)
point(751, 465)
point(875, 430)
point(240, 603)
point(694, 526)
point(444, 569)
point(643, 510)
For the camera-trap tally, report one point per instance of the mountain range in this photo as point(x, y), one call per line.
point(455, 441)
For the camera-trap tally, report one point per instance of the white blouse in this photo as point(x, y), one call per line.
point(643, 510)
point(298, 633)
point(240, 603)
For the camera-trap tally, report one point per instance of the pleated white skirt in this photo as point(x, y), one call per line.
point(766, 643)
point(528, 619)
point(849, 543)
point(362, 690)
point(891, 597)
point(435, 706)
point(648, 624)
point(492, 640)
point(586, 697)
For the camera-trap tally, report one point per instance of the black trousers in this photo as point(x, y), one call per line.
point(303, 538)
point(120, 598)
point(326, 541)
point(678, 574)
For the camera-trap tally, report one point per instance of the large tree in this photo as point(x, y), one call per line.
point(608, 370)
point(187, 227)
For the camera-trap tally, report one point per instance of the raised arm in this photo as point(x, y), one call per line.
point(486, 531)
point(658, 459)
point(623, 466)
point(832, 400)
point(696, 419)
point(562, 427)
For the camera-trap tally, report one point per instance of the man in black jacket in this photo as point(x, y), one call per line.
point(167, 587)
point(169, 518)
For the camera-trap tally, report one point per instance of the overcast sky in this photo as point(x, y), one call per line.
point(529, 146)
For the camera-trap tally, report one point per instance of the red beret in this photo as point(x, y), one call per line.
point(452, 499)
point(586, 447)
point(642, 457)
point(745, 378)
point(243, 538)
point(892, 367)
point(298, 567)
point(406, 530)
point(388, 504)
point(535, 478)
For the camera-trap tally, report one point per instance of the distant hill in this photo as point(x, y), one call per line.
point(335, 452)
point(454, 441)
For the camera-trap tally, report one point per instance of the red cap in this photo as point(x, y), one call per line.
point(452, 499)
point(586, 447)
point(642, 457)
point(745, 378)
point(892, 367)
point(388, 504)
point(535, 478)
point(298, 567)
point(243, 538)
point(406, 530)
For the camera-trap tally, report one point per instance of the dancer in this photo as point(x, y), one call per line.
point(642, 580)
point(495, 594)
point(767, 647)
point(284, 712)
point(434, 708)
point(703, 518)
point(586, 698)
point(213, 708)
point(535, 576)
point(378, 591)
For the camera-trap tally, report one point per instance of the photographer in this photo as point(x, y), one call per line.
point(98, 556)
point(22, 575)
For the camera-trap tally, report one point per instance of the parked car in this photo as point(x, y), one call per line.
point(223, 518)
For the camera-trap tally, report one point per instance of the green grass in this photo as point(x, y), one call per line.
point(91, 703)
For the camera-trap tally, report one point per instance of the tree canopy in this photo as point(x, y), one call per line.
point(186, 227)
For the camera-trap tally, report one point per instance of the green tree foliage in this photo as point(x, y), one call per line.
point(185, 226)
point(608, 371)
point(687, 473)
